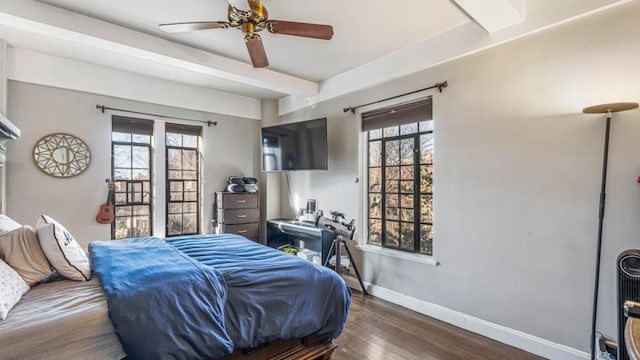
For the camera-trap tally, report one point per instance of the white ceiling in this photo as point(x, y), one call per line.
point(374, 41)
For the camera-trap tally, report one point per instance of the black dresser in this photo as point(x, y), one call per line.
point(237, 213)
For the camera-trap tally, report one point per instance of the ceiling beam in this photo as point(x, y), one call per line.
point(41, 19)
point(494, 15)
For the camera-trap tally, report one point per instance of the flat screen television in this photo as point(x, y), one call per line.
point(295, 146)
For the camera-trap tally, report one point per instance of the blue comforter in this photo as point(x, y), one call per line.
point(196, 297)
point(162, 303)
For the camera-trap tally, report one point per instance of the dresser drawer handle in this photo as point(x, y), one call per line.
point(241, 201)
point(241, 216)
point(242, 231)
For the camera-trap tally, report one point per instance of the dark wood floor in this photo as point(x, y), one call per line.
point(379, 330)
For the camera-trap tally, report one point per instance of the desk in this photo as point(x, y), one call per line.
point(300, 234)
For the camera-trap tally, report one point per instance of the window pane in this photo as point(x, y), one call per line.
point(190, 224)
point(426, 239)
point(406, 151)
point(426, 149)
point(123, 210)
point(190, 186)
point(145, 139)
point(190, 175)
point(140, 210)
point(375, 134)
point(406, 236)
point(174, 208)
point(391, 131)
point(406, 187)
point(408, 129)
point(392, 233)
point(175, 185)
point(174, 159)
point(190, 196)
point(406, 201)
point(375, 232)
point(393, 213)
point(174, 225)
point(406, 215)
point(189, 160)
point(426, 178)
point(375, 179)
point(375, 206)
point(392, 173)
point(175, 196)
point(140, 174)
point(375, 154)
point(392, 152)
point(122, 174)
point(426, 125)
point(122, 226)
point(391, 200)
point(190, 207)
point(141, 226)
point(122, 156)
point(140, 157)
point(426, 209)
point(175, 174)
point(406, 173)
point(392, 186)
point(174, 139)
point(190, 141)
point(122, 137)
point(121, 198)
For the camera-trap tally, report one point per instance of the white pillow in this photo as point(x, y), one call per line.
point(7, 224)
point(62, 250)
point(12, 287)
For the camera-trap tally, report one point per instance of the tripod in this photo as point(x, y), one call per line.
point(335, 248)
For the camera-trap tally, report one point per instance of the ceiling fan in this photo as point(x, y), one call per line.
point(251, 17)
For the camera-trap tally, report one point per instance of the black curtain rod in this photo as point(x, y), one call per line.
point(103, 108)
point(440, 86)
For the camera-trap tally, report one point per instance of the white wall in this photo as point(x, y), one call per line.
point(517, 176)
point(229, 149)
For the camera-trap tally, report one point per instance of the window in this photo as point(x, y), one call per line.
point(183, 179)
point(131, 141)
point(400, 177)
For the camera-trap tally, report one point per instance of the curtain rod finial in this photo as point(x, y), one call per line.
point(347, 109)
point(214, 123)
point(441, 86)
point(100, 107)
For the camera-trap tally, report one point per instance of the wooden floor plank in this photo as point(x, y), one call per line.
point(379, 330)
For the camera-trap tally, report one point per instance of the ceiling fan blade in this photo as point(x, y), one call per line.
point(192, 26)
point(316, 31)
point(256, 52)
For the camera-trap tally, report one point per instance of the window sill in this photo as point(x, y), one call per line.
point(418, 258)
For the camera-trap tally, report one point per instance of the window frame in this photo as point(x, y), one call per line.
point(150, 150)
point(414, 253)
point(190, 130)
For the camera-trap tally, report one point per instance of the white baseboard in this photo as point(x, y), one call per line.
point(503, 334)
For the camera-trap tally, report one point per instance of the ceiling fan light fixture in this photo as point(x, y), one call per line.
point(250, 16)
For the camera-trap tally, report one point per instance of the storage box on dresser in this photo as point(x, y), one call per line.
point(237, 213)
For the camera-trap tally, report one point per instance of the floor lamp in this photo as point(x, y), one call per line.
point(602, 109)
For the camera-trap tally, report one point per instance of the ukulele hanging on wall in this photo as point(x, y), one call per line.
point(107, 213)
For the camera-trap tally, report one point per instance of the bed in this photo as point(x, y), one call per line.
point(263, 300)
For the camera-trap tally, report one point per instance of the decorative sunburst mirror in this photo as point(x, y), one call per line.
point(61, 155)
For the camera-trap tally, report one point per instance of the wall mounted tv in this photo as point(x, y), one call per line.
point(295, 146)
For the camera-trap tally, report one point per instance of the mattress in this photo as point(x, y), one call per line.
point(34, 327)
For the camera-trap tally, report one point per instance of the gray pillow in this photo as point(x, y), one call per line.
point(21, 249)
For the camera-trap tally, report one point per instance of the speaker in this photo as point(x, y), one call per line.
point(628, 289)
